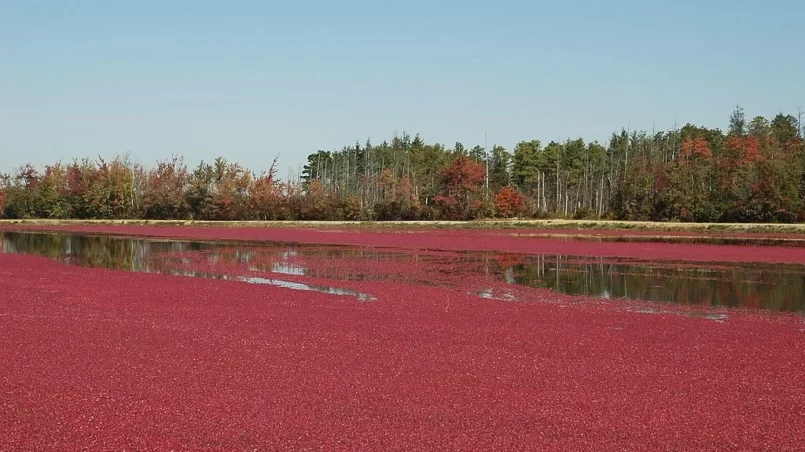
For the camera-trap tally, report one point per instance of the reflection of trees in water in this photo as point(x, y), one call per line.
point(92, 251)
point(750, 286)
point(774, 287)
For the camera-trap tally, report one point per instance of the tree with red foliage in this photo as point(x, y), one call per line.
point(509, 202)
point(736, 173)
point(740, 151)
point(693, 190)
point(751, 152)
point(696, 148)
point(461, 182)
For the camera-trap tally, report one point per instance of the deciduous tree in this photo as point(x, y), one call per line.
point(461, 181)
point(509, 202)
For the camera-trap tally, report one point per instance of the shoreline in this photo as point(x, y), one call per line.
point(491, 224)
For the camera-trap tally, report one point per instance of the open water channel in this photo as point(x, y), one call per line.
point(775, 287)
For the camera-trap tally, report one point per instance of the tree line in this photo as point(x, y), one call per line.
point(753, 172)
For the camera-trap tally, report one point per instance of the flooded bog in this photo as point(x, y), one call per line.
point(773, 287)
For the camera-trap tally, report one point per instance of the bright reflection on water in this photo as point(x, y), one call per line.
point(761, 286)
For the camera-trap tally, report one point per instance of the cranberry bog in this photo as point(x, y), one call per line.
point(178, 338)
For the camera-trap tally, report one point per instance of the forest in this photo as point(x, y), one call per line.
point(753, 172)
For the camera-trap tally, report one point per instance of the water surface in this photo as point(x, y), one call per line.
point(756, 286)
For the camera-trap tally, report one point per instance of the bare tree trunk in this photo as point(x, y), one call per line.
point(601, 200)
point(544, 199)
point(558, 198)
point(538, 184)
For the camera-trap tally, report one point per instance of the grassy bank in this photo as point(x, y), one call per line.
point(479, 224)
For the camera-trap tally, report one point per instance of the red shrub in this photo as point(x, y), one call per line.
point(509, 202)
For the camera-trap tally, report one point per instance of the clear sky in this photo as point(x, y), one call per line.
point(253, 79)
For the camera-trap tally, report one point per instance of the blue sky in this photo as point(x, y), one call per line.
point(253, 79)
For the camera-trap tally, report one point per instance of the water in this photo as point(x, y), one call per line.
point(659, 238)
point(756, 286)
point(147, 255)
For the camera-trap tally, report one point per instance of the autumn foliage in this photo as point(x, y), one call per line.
point(753, 172)
point(462, 181)
point(696, 148)
point(509, 202)
point(743, 150)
